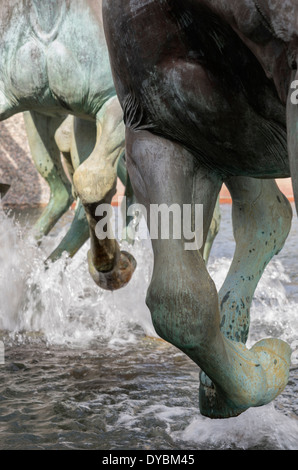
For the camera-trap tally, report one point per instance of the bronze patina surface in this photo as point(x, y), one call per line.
point(205, 87)
point(54, 67)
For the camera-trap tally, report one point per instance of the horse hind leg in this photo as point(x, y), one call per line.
point(47, 159)
point(261, 223)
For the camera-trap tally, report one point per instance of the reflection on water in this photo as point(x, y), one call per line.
point(84, 368)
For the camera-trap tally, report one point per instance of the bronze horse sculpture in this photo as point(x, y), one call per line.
point(62, 140)
point(52, 134)
point(50, 67)
point(206, 91)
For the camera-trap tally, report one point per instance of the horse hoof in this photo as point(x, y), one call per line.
point(272, 357)
point(118, 277)
point(275, 358)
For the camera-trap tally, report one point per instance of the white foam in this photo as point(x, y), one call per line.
point(263, 427)
point(62, 302)
point(65, 306)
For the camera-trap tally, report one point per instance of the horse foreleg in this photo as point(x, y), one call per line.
point(47, 158)
point(182, 297)
point(261, 223)
point(129, 218)
point(75, 237)
point(76, 139)
point(95, 183)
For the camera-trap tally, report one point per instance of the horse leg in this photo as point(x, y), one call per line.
point(76, 139)
point(262, 218)
point(75, 237)
point(63, 139)
point(213, 231)
point(128, 201)
point(261, 223)
point(182, 297)
point(95, 183)
point(46, 155)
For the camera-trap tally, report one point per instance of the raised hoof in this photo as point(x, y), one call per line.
point(272, 358)
point(117, 277)
point(275, 358)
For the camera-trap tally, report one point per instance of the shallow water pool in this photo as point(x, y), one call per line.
point(84, 369)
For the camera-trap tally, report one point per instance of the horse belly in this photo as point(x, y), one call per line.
point(28, 75)
point(78, 82)
point(65, 75)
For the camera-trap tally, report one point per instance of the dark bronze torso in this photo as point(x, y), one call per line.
point(182, 71)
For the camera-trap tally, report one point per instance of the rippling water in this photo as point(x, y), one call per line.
point(84, 368)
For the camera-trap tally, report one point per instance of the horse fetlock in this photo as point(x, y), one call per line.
point(212, 403)
point(180, 318)
point(116, 278)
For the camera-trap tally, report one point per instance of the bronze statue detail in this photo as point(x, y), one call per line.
point(204, 88)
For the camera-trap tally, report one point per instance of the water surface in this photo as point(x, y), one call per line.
point(84, 369)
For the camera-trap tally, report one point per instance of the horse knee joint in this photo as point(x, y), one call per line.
point(93, 185)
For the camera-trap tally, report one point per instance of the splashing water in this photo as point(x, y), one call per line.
point(254, 429)
point(62, 302)
point(99, 375)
